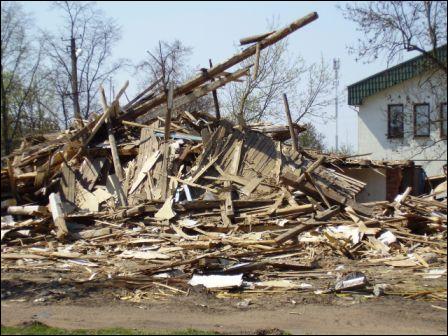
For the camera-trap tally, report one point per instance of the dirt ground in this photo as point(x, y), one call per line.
point(89, 306)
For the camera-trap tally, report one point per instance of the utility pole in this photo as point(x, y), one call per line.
point(336, 65)
point(74, 82)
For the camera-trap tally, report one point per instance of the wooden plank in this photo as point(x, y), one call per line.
point(203, 169)
point(251, 186)
point(255, 38)
point(68, 183)
point(149, 163)
point(234, 166)
point(141, 94)
point(299, 209)
point(163, 178)
point(195, 185)
point(257, 61)
point(215, 96)
point(112, 142)
point(88, 234)
point(90, 171)
point(28, 210)
point(229, 211)
point(294, 232)
point(294, 138)
point(311, 168)
point(169, 110)
point(57, 212)
point(321, 194)
point(114, 187)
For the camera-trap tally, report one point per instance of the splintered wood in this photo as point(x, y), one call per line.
point(182, 192)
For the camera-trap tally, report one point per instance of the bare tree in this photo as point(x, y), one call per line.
point(308, 87)
point(261, 96)
point(394, 27)
point(20, 63)
point(317, 92)
point(168, 62)
point(93, 36)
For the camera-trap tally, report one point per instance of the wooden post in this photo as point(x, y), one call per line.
point(257, 61)
point(215, 95)
point(57, 212)
point(291, 127)
point(166, 152)
point(169, 111)
point(112, 142)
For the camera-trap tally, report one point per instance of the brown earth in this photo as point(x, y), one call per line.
point(90, 306)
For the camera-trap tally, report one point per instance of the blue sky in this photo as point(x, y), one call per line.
point(213, 29)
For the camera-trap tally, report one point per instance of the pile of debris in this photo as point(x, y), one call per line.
point(151, 195)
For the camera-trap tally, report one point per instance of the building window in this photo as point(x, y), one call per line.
point(443, 120)
point(395, 121)
point(421, 120)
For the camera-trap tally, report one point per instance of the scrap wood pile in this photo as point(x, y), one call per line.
point(151, 195)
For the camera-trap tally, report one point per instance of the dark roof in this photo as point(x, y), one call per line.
point(390, 77)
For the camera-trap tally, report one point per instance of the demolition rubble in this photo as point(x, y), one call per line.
point(151, 196)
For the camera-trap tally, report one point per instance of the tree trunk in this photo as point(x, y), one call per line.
point(5, 120)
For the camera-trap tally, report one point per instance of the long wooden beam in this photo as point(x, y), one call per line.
point(217, 69)
point(195, 94)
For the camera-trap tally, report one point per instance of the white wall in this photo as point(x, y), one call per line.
point(372, 125)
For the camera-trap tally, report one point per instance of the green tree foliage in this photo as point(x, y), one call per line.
point(311, 138)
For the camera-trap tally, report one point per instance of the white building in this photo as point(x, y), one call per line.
point(402, 113)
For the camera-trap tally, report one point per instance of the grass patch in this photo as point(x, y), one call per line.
point(42, 329)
